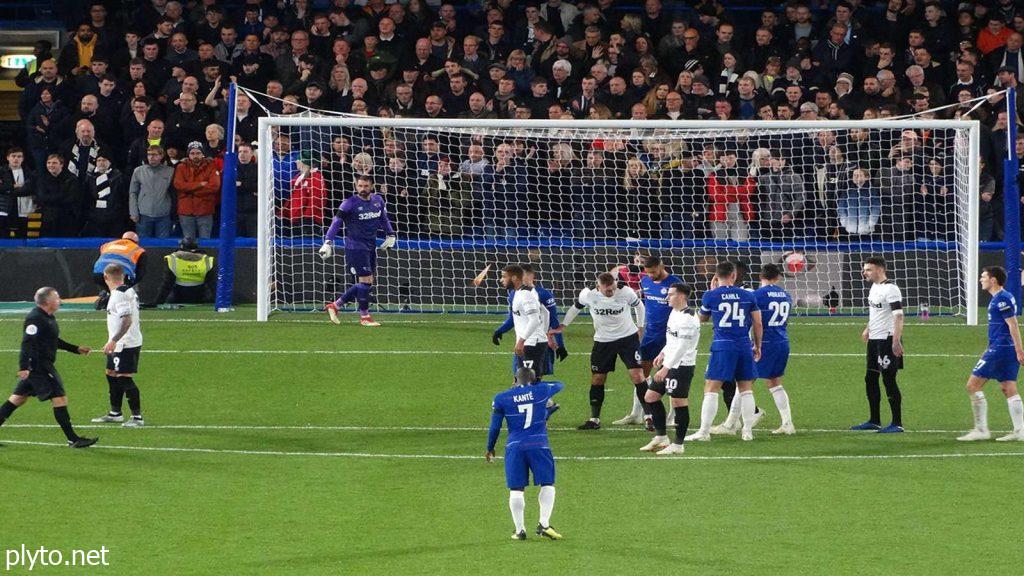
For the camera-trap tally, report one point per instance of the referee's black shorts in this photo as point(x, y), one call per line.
point(44, 385)
point(881, 359)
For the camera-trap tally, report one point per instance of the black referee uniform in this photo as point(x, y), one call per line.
point(39, 343)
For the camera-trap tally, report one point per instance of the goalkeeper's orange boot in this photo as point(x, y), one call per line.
point(332, 312)
point(367, 321)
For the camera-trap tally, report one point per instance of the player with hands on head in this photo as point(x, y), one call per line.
point(363, 215)
point(675, 363)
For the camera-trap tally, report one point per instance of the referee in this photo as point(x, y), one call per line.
point(37, 375)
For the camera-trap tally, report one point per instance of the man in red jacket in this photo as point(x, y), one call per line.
point(198, 185)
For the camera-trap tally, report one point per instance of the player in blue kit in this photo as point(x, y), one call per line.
point(733, 313)
point(547, 299)
point(363, 215)
point(774, 303)
point(1001, 360)
point(527, 451)
point(654, 287)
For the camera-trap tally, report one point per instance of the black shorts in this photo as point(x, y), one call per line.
point(125, 362)
point(43, 385)
point(881, 359)
point(676, 384)
point(535, 358)
point(602, 357)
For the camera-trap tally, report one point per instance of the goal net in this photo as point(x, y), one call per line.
point(575, 198)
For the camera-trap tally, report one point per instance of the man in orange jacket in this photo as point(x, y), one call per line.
point(198, 185)
point(126, 253)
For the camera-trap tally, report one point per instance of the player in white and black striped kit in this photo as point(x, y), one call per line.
point(884, 337)
point(616, 334)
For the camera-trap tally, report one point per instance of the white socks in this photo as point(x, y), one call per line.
point(708, 411)
point(980, 408)
point(1016, 412)
point(546, 498)
point(747, 408)
point(782, 403)
point(517, 504)
point(734, 412)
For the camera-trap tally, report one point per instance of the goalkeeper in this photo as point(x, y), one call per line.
point(363, 215)
point(547, 299)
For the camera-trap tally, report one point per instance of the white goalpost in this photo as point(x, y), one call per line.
point(574, 198)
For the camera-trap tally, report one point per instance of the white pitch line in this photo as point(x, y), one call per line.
point(480, 429)
point(482, 353)
point(386, 320)
point(562, 458)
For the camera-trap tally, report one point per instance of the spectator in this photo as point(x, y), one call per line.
point(17, 191)
point(933, 203)
point(187, 124)
point(82, 151)
point(59, 200)
point(505, 190)
point(781, 198)
point(42, 124)
point(140, 146)
point(858, 206)
point(197, 183)
point(638, 202)
point(993, 36)
point(304, 211)
point(150, 197)
point(247, 203)
point(990, 201)
point(730, 197)
point(448, 201)
point(106, 196)
point(75, 58)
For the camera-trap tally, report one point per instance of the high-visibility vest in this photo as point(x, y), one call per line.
point(124, 253)
point(189, 272)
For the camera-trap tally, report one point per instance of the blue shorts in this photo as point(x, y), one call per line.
point(521, 462)
point(731, 365)
point(360, 262)
point(999, 364)
point(549, 362)
point(651, 347)
point(774, 357)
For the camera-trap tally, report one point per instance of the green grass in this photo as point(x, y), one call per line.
point(296, 462)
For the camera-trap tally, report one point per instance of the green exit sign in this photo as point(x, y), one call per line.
point(16, 61)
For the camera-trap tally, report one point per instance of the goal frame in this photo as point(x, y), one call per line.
point(265, 162)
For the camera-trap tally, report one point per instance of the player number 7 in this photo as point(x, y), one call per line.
point(528, 409)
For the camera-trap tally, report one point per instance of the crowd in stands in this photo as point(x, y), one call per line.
point(125, 124)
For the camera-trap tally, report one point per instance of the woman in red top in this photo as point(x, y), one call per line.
point(304, 211)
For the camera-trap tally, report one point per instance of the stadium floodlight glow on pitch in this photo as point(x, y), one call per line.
point(575, 197)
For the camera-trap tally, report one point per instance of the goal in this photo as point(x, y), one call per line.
point(575, 198)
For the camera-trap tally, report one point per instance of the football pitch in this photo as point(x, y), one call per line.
point(301, 447)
